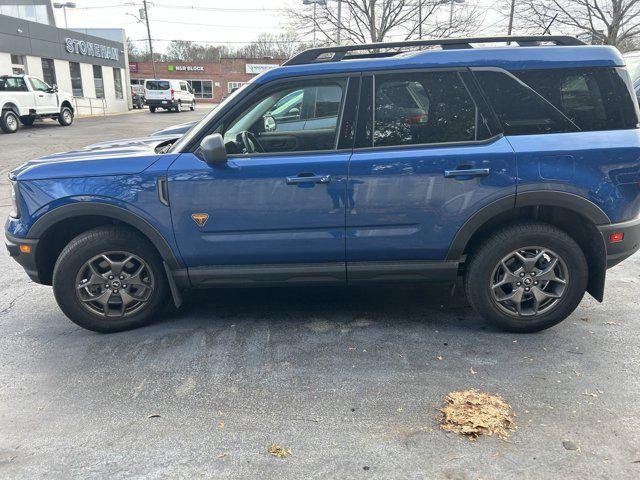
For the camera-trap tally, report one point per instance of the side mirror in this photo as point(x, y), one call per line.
point(212, 148)
point(53, 89)
point(270, 124)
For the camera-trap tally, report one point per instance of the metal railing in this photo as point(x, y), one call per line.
point(89, 105)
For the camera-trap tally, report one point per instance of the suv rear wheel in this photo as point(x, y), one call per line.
point(9, 121)
point(526, 277)
point(109, 279)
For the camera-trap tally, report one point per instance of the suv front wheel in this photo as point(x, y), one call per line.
point(526, 277)
point(109, 279)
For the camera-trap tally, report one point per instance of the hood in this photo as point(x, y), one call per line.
point(119, 157)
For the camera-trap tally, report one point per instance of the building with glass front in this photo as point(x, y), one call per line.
point(91, 64)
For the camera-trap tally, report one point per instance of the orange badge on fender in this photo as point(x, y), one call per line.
point(200, 218)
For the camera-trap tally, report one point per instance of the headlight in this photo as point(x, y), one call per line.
point(15, 208)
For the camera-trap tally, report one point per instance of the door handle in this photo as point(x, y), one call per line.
point(466, 172)
point(308, 178)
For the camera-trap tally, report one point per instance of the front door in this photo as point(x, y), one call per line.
point(429, 157)
point(46, 101)
point(275, 211)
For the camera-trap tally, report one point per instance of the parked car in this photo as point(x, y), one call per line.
point(169, 94)
point(515, 170)
point(137, 96)
point(25, 98)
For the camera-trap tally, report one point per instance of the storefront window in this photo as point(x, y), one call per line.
point(18, 65)
point(97, 81)
point(76, 79)
point(117, 82)
point(34, 13)
point(49, 71)
point(231, 86)
point(202, 88)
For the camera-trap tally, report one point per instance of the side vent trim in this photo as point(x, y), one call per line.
point(163, 190)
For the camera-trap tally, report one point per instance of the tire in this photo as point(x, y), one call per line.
point(27, 120)
point(123, 311)
point(65, 118)
point(179, 107)
point(9, 121)
point(152, 109)
point(193, 106)
point(545, 302)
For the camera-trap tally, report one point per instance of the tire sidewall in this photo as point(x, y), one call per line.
point(483, 266)
point(61, 118)
point(87, 246)
point(5, 124)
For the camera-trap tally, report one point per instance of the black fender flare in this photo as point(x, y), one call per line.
point(550, 198)
point(64, 212)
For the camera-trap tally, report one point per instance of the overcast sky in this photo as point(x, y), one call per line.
point(216, 21)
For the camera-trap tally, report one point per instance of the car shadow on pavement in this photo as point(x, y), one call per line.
point(432, 305)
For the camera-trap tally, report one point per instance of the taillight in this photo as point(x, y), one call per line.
point(172, 92)
point(415, 119)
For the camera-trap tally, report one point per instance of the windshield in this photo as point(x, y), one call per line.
point(633, 66)
point(186, 138)
point(156, 85)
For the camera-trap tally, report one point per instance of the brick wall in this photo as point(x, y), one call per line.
point(228, 70)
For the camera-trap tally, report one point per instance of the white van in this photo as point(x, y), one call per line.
point(169, 94)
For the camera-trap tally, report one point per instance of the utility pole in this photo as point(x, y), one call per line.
point(511, 13)
point(339, 22)
point(146, 19)
point(419, 19)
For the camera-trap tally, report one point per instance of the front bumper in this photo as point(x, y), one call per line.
point(618, 251)
point(161, 103)
point(26, 260)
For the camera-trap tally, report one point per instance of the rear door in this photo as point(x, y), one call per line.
point(157, 90)
point(428, 156)
point(14, 89)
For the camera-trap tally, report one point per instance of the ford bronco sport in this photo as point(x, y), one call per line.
point(511, 162)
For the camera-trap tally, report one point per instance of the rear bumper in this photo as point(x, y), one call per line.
point(26, 260)
point(161, 103)
point(618, 251)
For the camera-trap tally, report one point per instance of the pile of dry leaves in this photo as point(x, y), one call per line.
point(473, 413)
point(279, 451)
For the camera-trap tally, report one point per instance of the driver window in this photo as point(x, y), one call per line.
point(38, 85)
point(286, 120)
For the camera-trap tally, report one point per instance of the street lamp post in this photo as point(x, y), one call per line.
point(64, 7)
point(315, 4)
point(451, 13)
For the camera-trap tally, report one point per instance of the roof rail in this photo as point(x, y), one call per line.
point(339, 52)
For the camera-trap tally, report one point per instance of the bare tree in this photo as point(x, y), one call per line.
point(283, 45)
point(611, 22)
point(367, 21)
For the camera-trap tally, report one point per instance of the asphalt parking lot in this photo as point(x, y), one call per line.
point(350, 380)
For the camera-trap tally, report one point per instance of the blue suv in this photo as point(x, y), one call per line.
point(514, 167)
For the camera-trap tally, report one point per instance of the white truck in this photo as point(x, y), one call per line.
point(24, 98)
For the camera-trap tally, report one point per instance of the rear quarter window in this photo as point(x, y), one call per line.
point(593, 98)
point(12, 84)
point(539, 101)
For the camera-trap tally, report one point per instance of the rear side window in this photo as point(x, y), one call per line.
point(12, 84)
point(424, 108)
point(592, 98)
point(156, 85)
point(521, 110)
